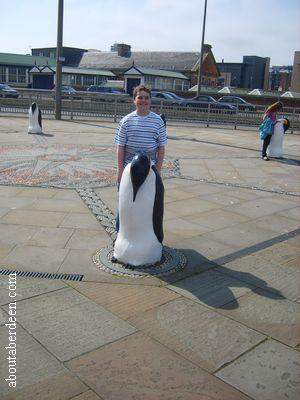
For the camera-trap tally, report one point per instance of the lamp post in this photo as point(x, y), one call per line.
point(58, 79)
point(201, 53)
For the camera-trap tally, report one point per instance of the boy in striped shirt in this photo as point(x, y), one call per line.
point(140, 131)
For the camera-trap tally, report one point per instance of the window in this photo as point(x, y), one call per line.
point(12, 74)
point(100, 79)
point(88, 80)
point(21, 72)
point(2, 74)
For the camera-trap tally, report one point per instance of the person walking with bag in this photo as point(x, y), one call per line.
point(267, 127)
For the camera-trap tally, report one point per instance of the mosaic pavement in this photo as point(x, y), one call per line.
point(63, 165)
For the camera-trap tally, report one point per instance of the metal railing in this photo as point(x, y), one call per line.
point(98, 105)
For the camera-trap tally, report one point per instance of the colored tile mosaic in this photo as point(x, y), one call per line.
point(63, 165)
point(172, 261)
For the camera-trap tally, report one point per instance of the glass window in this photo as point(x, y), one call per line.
point(2, 74)
point(88, 80)
point(21, 74)
point(12, 74)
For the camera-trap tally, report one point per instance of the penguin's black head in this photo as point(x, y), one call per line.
point(33, 107)
point(286, 124)
point(140, 166)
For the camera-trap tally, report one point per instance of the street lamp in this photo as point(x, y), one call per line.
point(201, 53)
point(58, 79)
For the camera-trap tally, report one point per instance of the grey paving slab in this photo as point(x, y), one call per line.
point(89, 395)
point(80, 220)
point(14, 234)
point(62, 386)
point(50, 316)
point(9, 191)
point(34, 258)
point(270, 371)
point(198, 334)
point(262, 207)
point(3, 211)
point(3, 317)
point(265, 274)
point(33, 362)
point(51, 237)
point(209, 248)
point(240, 235)
point(217, 219)
point(137, 367)
point(88, 239)
point(5, 249)
point(37, 192)
point(212, 289)
point(291, 213)
point(33, 217)
point(27, 287)
point(188, 207)
point(15, 202)
point(269, 314)
point(276, 223)
point(60, 205)
point(281, 252)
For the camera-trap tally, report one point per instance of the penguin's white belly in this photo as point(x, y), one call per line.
point(276, 143)
point(34, 126)
point(136, 242)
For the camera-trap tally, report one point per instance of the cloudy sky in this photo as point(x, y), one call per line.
point(266, 28)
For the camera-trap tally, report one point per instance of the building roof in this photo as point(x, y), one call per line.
point(162, 60)
point(154, 72)
point(25, 60)
point(86, 71)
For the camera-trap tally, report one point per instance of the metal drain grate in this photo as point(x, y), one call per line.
point(46, 275)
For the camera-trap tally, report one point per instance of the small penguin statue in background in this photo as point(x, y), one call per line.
point(141, 198)
point(35, 119)
point(275, 148)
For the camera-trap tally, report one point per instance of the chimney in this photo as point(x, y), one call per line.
point(124, 50)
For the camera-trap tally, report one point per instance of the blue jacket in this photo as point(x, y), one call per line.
point(266, 128)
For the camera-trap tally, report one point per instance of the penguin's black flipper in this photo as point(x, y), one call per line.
point(40, 118)
point(158, 208)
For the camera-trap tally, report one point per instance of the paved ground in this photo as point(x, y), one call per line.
point(226, 327)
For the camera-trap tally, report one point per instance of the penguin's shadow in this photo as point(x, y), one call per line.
point(212, 283)
point(288, 161)
point(41, 134)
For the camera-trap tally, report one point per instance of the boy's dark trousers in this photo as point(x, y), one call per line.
point(266, 143)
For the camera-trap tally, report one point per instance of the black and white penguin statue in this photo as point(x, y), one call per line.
point(35, 119)
point(275, 148)
point(141, 203)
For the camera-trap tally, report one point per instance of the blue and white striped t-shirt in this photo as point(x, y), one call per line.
point(138, 133)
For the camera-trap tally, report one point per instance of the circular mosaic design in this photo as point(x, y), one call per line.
point(62, 165)
point(172, 261)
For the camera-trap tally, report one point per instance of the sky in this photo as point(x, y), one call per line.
point(234, 28)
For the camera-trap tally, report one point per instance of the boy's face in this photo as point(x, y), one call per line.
point(142, 102)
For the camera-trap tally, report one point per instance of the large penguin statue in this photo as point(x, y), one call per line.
point(141, 202)
point(275, 147)
point(35, 119)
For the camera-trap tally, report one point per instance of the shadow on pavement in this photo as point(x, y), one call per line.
point(288, 161)
point(41, 134)
point(214, 284)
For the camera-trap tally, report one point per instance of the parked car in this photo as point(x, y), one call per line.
point(67, 91)
point(103, 89)
point(205, 103)
point(240, 103)
point(7, 91)
point(168, 97)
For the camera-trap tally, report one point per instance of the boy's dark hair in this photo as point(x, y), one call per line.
point(141, 88)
